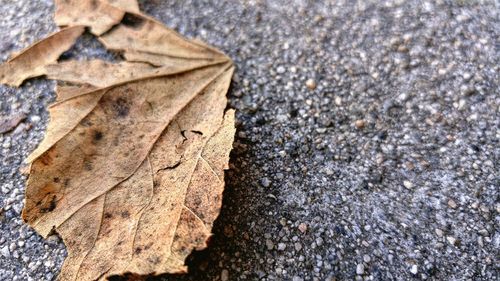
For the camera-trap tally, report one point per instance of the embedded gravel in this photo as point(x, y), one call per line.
point(367, 144)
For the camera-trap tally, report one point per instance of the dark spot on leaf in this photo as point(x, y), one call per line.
point(46, 159)
point(150, 105)
point(87, 166)
point(108, 215)
point(125, 214)
point(98, 135)
point(51, 206)
point(93, 4)
point(197, 201)
point(138, 250)
point(154, 259)
point(121, 107)
point(86, 123)
point(56, 180)
point(66, 181)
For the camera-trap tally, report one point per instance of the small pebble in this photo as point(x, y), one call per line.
point(280, 69)
point(483, 232)
point(5, 252)
point(408, 184)
point(265, 182)
point(414, 269)
point(360, 124)
point(35, 118)
point(338, 101)
point(224, 275)
point(452, 204)
point(302, 227)
point(452, 240)
point(269, 244)
point(311, 84)
point(360, 269)
point(319, 241)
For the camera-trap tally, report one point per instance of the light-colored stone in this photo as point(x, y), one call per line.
point(360, 124)
point(311, 84)
point(414, 269)
point(452, 240)
point(224, 275)
point(408, 184)
point(302, 227)
point(360, 269)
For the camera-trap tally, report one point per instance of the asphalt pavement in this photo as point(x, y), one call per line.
point(367, 144)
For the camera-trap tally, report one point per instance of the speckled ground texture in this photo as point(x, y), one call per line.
point(387, 170)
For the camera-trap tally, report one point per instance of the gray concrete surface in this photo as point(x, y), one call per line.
point(387, 170)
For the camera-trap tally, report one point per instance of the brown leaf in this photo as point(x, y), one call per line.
point(74, 103)
point(146, 35)
point(99, 15)
point(102, 74)
point(32, 61)
point(165, 60)
point(155, 135)
point(125, 122)
point(65, 91)
point(64, 117)
point(131, 170)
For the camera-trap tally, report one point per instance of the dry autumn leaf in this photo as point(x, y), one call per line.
point(145, 35)
point(65, 92)
point(32, 61)
point(103, 74)
point(131, 171)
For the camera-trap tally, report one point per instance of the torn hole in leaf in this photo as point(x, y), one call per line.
point(197, 132)
point(173, 166)
point(87, 47)
point(183, 133)
point(133, 21)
